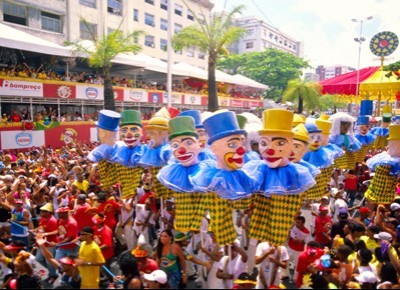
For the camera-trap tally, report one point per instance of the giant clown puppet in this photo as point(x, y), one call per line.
point(281, 182)
point(363, 135)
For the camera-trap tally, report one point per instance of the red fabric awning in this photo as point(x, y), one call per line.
point(346, 84)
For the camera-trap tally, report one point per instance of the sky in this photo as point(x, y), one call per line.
point(325, 26)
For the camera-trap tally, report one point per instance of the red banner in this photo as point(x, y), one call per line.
point(236, 103)
point(66, 133)
point(59, 91)
point(254, 104)
point(155, 97)
point(119, 94)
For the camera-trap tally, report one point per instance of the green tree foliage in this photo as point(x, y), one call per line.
point(210, 35)
point(271, 67)
point(305, 94)
point(332, 103)
point(102, 51)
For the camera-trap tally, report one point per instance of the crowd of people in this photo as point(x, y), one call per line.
point(56, 211)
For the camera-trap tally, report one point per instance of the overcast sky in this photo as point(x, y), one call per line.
point(325, 26)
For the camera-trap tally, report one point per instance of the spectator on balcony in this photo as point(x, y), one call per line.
point(81, 77)
point(15, 117)
point(42, 75)
point(33, 72)
point(3, 72)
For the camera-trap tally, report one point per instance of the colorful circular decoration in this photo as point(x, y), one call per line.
point(384, 43)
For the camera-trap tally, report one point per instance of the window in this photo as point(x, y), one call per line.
point(135, 15)
point(190, 52)
point(85, 31)
point(265, 32)
point(164, 4)
point(178, 9)
point(250, 31)
point(88, 3)
point(51, 22)
point(178, 28)
point(163, 44)
point(149, 2)
point(114, 6)
point(14, 13)
point(149, 19)
point(149, 40)
point(190, 15)
point(201, 55)
point(249, 45)
point(163, 24)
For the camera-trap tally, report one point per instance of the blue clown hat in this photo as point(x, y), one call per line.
point(220, 125)
point(108, 120)
point(195, 114)
point(366, 107)
point(312, 128)
point(362, 120)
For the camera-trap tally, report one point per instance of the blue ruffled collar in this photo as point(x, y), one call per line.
point(155, 156)
point(321, 158)
point(127, 156)
point(385, 159)
point(366, 139)
point(102, 151)
point(176, 176)
point(340, 140)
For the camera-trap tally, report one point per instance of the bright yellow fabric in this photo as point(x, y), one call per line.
point(90, 275)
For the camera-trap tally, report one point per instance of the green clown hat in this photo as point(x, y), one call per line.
point(241, 121)
point(183, 125)
point(130, 117)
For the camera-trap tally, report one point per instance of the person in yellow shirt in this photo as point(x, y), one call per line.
point(81, 183)
point(90, 260)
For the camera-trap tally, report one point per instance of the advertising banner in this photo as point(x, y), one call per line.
point(155, 97)
point(118, 94)
point(21, 139)
point(88, 92)
point(176, 98)
point(59, 91)
point(236, 103)
point(254, 104)
point(192, 99)
point(224, 102)
point(20, 88)
point(135, 95)
point(67, 134)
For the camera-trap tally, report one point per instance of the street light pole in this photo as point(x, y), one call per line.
point(360, 40)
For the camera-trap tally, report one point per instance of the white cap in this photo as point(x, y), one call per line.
point(7, 177)
point(394, 206)
point(158, 276)
point(383, 236)
point(366, 277)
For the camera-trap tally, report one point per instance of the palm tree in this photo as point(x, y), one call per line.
point(211, 35)
point(101, 52)
point(304, 93)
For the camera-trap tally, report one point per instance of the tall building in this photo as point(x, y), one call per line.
point(260, 35)
point(60, 21)
point(332, 71)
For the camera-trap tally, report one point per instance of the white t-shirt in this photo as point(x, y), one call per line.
point(235, 267)
point(339, 206)
point(266, 265)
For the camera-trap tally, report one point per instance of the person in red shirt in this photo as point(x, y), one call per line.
point(47, 224)
point(15, 117)
point(146, 265)
point(351, 186)
point(67, 232)
point(306, 260)
point(109, 207)
point(323, 226)
point(83, 212)
point(103, 236)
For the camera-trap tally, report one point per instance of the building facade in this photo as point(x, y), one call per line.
point(61, 20)
point(260, 35)
point(332, 71)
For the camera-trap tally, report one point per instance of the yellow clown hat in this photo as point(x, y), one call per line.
point(324, 124)
point(157, 123)
point(394, 132)
point(277, 121)
point(298, 119)
point(301, 133)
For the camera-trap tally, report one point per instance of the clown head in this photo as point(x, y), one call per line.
point(300, 143)
point(183, 140)
point(276, 138)
point(325, 126)
point(363, 125)
point(107, 126)
point(130, 128)
point(394, 141)
point(225, 139)
point(315, 135)
point(201, 132)
point(342, 124)
point(157, 130)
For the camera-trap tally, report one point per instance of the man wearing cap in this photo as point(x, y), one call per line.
point(83, 212)
point(103, 236)
point(90, 260)
point(281, 182)
point(146, 265)
point(128, 152)
point(157, 151)
point(47, 224)
point(323, 225)
point(155, 279)
point(245, 281)
point(70, 274)
point(107, 128)
point(67, 232)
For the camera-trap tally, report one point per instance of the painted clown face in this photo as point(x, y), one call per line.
point(131, 135)
point(363, 129)
point(299, 149)
point(276, 149)
point(185, 149)
point(229, 152)
point(315, 141)
point(157, 137)
point(202, 137)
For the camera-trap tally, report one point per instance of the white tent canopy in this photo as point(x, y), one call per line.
point(245, 81)
point(17, 39)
